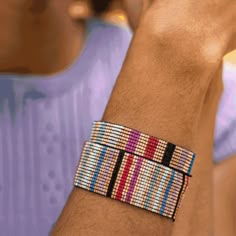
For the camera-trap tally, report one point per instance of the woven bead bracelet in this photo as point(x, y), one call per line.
point(144, 145)
point(132, 179)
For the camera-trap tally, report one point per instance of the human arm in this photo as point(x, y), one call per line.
point(167, 92)
point(224, 196)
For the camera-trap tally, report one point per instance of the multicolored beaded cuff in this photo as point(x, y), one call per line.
point(133, 141)
point(130, 178)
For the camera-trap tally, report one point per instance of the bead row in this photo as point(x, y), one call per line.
point(131, 179)
point(140, 144)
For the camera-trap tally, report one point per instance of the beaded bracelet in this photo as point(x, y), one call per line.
point(131, 179)
point(144, 145)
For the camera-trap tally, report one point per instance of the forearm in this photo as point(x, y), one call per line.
point(165, 101)
point(225, 197)
point(152, 97)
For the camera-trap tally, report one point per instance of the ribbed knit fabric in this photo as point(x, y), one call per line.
point(225, 135)
point(43, 124)
point(45, 120)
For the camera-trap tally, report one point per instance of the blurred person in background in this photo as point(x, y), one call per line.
point(115, 13)
point(58, 67)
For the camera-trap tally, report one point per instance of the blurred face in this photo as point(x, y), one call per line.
point(133, 9)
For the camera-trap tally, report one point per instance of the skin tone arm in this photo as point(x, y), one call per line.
point(224, 190)
point(224, 197)
point(164, 92)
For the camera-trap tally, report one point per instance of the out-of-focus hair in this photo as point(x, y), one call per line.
point(99, 6)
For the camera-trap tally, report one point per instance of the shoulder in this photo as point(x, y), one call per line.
point(225, 134)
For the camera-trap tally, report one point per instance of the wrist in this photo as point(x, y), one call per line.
point(183, 46)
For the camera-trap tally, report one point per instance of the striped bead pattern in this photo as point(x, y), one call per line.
point(133, 141)
point(131, 179)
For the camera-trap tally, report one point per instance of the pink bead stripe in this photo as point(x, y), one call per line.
point(132, 141)
point(134, 180)
point(144, 145)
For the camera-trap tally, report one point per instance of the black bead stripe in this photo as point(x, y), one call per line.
point(115, 173)
point(170, 148)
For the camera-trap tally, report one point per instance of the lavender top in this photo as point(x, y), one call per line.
point(45, 120)
point(43, 124)
point(225, 133)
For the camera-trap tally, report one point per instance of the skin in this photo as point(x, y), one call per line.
point(25, 24)
point(224, 197)
point(224, 190)
point(38, 37)
point(187, 92)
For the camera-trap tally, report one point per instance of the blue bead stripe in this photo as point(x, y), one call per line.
point(101, 133)
point(167, 193)
point(151, 187)
point(191, 164)
point(96, 172)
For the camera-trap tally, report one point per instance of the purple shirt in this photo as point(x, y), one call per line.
point(43, 124)
point(45, 120)
point(225, 135)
